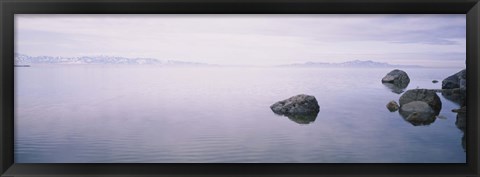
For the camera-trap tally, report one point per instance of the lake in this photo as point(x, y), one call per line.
point(150, 114)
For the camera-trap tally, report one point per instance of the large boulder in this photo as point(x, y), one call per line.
point(397, 77)
point(418, 113)
point(297, 105)
point(428, 96)
point(458, 80)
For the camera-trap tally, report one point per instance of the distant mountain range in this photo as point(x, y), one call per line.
point(21, 59)
point(350, 64)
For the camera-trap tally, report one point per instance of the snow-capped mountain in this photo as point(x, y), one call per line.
point(352, 64)
point(21, 59)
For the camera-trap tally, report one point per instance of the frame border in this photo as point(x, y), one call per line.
point(10, 7)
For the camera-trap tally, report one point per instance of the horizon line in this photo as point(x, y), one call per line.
point(305, 63)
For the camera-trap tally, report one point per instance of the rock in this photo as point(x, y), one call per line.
point(418, 113)
point(434, 81)
point(297, 105)
point(463, 83)
point(397, 77)
point(458, 80)
point(428, 96)
point(417, 106)
point(392, 106)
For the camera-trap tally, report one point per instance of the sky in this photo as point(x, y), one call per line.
point(428, 40)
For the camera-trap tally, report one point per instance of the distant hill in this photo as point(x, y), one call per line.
point(28, 60)
point(350, 64)
point(21, 59)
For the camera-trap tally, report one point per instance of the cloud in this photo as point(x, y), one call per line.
point(246, 39)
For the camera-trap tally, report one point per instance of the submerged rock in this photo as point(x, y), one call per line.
point(297, 105)
point(418, 107)
point(458, 80)
point(418, 113)
point(397, 77)
point(428, 96)
point(392, 106)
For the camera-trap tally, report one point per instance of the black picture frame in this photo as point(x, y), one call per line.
point(10, 7)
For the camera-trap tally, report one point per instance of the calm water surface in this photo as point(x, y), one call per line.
point(115, 114)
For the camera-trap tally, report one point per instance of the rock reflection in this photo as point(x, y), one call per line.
point(455, 95)
point(396, 88)
point(461, 123)
point(301, 119)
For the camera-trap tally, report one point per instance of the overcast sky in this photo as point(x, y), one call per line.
point(429, 40)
